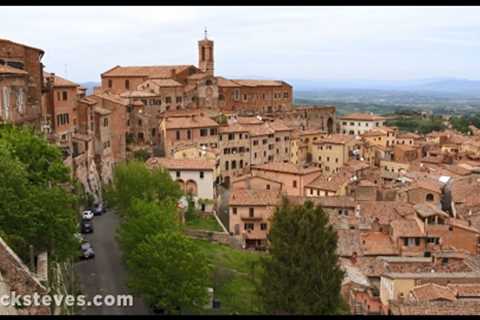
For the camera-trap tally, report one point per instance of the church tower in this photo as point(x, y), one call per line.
point(205, 55)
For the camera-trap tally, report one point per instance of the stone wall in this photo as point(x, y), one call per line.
point(20, 280)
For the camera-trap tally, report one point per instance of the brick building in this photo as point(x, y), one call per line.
point(21, 83)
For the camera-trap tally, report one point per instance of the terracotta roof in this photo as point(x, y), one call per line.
point(137, 94)
point(195, 121)
point(286, 168)
point(427, 184)
point(222, 82)
point(166, 83)
point(356, 165)
point(60, 82)
point(102, 111)
point(433, 291)
point(181, 164)
point(109, 96)
point(408, 135)
point(361, 117)
point(259, 83)
point(377, 243)
point(461, 187)
point(245, 197)
point(279, 125)
point(199, 75)
point(465, 290)
point(88, 101)
point(335, 139)
point(330, 183)
point(385, 211)
point(234, 127)
point(4, 69)
point(23, 45)
point(260, 130)
point(425, 210)
point(164, 71)
point(407, 228)
point(249, 120)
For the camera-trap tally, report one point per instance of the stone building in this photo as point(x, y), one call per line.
point(358, 123)
point(332, 152)
point(21, 83)
point(175, 87)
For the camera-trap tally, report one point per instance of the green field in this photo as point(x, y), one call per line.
point(232, 278)
point(204, 223)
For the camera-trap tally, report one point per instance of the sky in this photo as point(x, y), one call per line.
point(341, 43)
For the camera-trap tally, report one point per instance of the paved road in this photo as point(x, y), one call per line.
point(105, 274)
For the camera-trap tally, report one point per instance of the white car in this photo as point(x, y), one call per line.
point(87, 215)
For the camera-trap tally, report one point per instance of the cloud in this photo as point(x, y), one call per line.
point(275, 42)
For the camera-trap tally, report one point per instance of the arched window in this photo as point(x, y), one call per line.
point(203, 53)
point(429, 197)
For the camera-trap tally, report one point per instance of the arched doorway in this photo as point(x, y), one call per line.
point(330, 125)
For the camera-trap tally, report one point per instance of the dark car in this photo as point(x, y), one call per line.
point(87, 251)
point(99, 209)
point(86, 226)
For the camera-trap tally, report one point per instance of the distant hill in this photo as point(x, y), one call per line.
point(89, 85)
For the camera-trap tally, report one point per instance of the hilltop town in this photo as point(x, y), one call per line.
point(405, 205)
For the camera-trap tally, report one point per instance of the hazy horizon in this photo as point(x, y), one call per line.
point(360, 43)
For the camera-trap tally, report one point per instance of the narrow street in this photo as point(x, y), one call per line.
point(105, 274)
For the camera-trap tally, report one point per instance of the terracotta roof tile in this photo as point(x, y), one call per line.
point(60, 82)
point(433, 291)
point(181, 164)
point(335, 139)
point(377, 243)
point(195, 121)
point(164, 71)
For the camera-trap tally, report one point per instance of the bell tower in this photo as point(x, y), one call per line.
point(205, 55)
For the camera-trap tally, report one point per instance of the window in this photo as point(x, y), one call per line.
point(231, 136)
point(203, 132)
point(201, 175)
point(110, 84)
point(234, 164)
point(178, 134)
point(241, 164)
point(255, 142)
point(245, 97)
point(178, 174)
point(213, 131)
point(429, 197)
point(226, 165)
point(268, 187)
point(127, 84)
point(105, 122)
point(263, 226)
point(251, 212)
point(248, 226)
point(236, 94)
point(64, 95)
point(285, 95)
point(234, 210)
point(168, 99)
point(189, 134)
point(178, 99)
point(294, 183)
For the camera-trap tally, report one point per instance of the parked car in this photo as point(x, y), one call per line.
point(87, 251)
point(87, 215)
point(86, 226)
point(99, 209)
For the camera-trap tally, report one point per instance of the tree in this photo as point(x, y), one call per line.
point(37, 208)
point(146, 219)
point(169, 271)
point(133, 180)
point(301, 274)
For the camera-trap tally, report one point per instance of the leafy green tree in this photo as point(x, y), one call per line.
point(146, 219)
point(169, 271)
point(142, 155)
point(133, 180)
point(37, 207)
point(301, 274)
